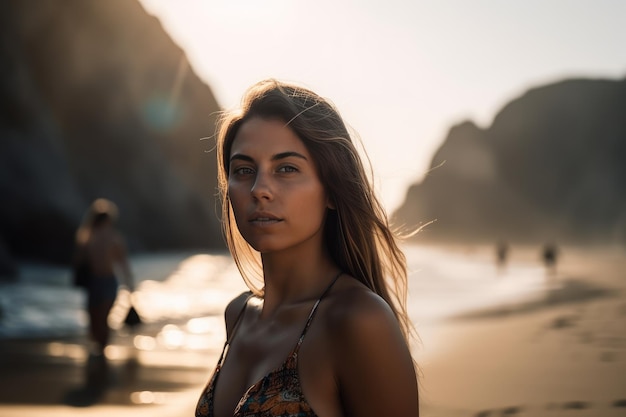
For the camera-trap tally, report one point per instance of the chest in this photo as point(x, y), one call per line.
point(252, 356)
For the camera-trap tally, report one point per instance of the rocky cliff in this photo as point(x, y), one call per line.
point(97, 101)
point(550, 167)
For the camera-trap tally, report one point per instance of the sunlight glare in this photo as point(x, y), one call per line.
point(197, 342)
point(171, 336)
point(149, 397)
point(55, 349)
point(67, 350)
point(113, 352)
point(204, 325)
point(142, 342)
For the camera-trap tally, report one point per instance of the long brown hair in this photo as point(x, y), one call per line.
point(357, 232)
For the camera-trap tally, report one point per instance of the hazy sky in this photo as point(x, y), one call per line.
point(401, 72)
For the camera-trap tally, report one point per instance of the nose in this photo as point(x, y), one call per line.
point(262, 189)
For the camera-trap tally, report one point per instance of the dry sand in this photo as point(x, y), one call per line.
point(561, 355)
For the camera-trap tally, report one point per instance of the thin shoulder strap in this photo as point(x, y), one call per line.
point(232, 334)
point(239, 316)
point(313, 310)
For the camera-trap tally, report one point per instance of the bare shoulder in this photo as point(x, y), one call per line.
point(371, 359)
point(357, 319)
point(234, 309)
point(356, 311)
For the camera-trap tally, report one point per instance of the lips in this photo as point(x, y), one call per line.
point(262, 218)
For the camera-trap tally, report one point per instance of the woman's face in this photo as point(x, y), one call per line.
point(274, 189)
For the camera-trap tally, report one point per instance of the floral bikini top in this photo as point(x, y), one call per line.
point(278, 394)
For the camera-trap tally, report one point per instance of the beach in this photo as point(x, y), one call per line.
point(560, 355)
point(555, 348)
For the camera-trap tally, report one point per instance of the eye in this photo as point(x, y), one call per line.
point(244, 170)
point(287, 169)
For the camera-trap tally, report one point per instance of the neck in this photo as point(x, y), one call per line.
point(291, 279)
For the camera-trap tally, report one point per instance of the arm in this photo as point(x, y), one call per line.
point(374, 369)
point(121, 259)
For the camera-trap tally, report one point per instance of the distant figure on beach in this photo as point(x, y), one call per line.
point(502, 253)
point(549, 254)
point(327, 328)
point(102, 249)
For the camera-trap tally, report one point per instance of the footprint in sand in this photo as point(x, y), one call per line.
point(563, 322)
point(509, 411)
point(575, 405)
point(608, 357)
point(620, 403)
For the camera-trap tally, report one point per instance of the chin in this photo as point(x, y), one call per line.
point(268, 247)
point(262, 247)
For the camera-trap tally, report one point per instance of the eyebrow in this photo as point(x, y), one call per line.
point(278, 156)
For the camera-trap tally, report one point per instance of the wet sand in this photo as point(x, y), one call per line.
point(563, 354)
point(57, 378)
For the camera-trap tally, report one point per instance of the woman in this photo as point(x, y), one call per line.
point(101, 247)
point(325, 334)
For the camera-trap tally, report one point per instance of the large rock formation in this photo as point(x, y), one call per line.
point(97, 101)
point(551, 166)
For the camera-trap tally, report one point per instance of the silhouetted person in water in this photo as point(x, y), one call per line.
point(102, 248)
point(550, 255)
point(502, 253)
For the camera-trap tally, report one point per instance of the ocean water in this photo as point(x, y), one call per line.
point(449, 282)
point(181, 296)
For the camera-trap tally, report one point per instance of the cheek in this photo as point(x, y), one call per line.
point(236, 189)
point(314, 205)
point(235, 198)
